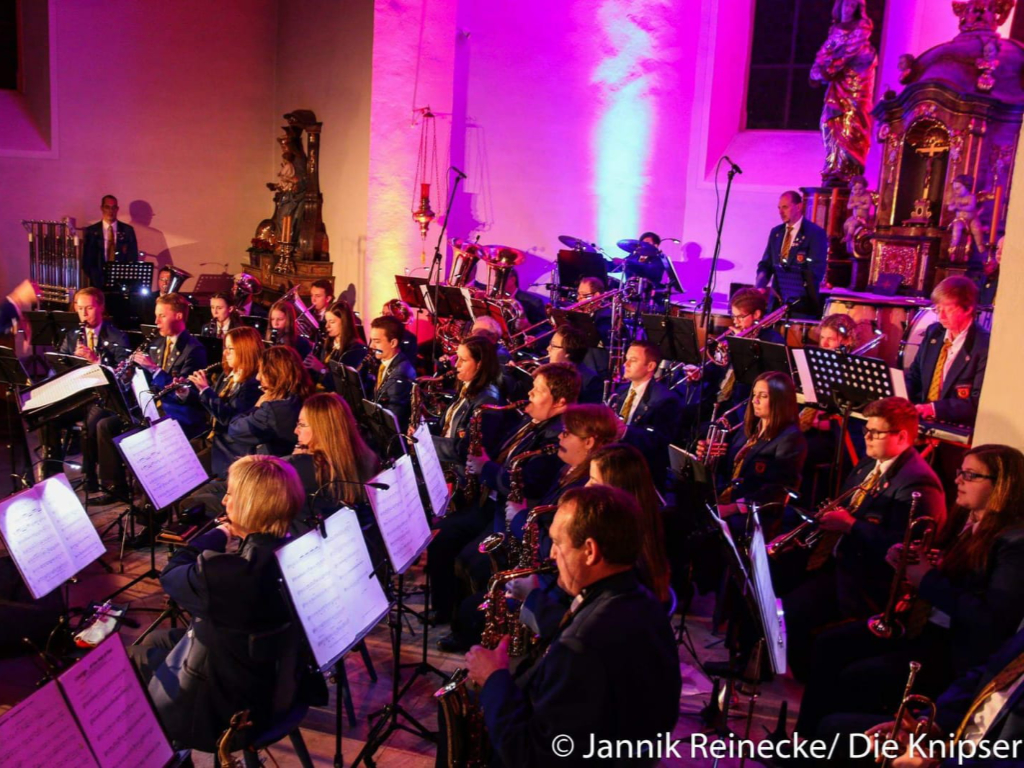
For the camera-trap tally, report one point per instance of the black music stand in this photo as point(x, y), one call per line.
point(573, 265)
point(752, 357)
point(452, 304)
point(581, 321)
point(198, 317)
point(676, 337)
point(348, 384)
point(127, 277)
point(259, 323)
point(843, 383)
point(214, 347)
point(410, 290)
point(382, 427)
point(63, 363)
point(50, 326)
point(14, 377)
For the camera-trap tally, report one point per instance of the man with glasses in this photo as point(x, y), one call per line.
point(944, 381)
point(107, 240)
point(848, 577)
point(569, 345)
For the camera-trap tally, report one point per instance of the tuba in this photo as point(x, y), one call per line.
point(178, 278)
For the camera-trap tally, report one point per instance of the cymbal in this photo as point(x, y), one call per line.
point(638, 248)
point(503, 256)
point(576, 244)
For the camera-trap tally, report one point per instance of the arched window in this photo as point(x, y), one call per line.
point(9, 47)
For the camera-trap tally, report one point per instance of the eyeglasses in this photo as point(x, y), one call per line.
point(875, 434)
point(582, 296)
point(737, 319)
point(969, 477)
point(555, 346)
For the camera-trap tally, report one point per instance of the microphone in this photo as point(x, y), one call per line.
point(734, 166)
point(460, 173)
point(319, 520)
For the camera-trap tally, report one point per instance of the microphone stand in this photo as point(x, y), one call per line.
point(436, 264)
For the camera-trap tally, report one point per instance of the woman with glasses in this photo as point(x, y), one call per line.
point(969, 600)
point(234, 391)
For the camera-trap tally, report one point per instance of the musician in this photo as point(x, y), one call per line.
point(321, 297)
point(748, 307)
point(793, 264)
point(650, 410)
point(332, 459)
point(236, 391)
point(96, 340)
point(107, 240)
point(944, 381)
point(764, 459)
point(854, 584)
point(282, 328)
point(173, 356)
point(477, 374)
point(534, 306)
point(224, 317)
point(591, 288)
point(164, 278)
point(403, 312)
point(343, 344)
point(16, 303)
point(245, 304)
point(569, 345)
point(392, 387)
point(581, 684)
point(972, 601)
point(201, 677)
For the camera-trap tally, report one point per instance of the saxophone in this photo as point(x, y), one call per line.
point(239, 720)
point(476, 443)
point(515, 495)
point(462, 737)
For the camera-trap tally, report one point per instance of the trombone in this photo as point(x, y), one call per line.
point(590, 304)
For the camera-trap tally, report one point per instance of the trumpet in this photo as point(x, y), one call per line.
point(808, 533)
point(916, 542)
point(921, 727)
point(184, 383)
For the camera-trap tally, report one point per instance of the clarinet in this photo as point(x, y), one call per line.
point(126, 369)
point(183, 383)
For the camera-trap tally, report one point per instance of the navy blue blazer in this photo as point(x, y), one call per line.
point(188, 356)
point(592, 389)
point(798, 278)
point(395, 391)
point(985, 607)
point(654, 426)
point(863, 577)
point(112, 343)
point(590, 680)
point(961, 389)
point(271, 425)
point(126, 250)
point(456, 448)
point(534, 306)
point(769, 467)
point(209, 675)
point(1008, 725)
point(238, 399)
point(538, 473)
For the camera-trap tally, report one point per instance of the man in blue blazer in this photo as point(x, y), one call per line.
point(611, 669)
point(950, 392)
point(651, 411)
point(107, 240)
point(795, 258)
point(393, 384)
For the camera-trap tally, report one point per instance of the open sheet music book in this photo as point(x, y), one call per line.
point(332, 586)
point(430, 466)
point(49, 534)
point(96, 714)
point(61, 387)
point(400, 515)
point(163, 460)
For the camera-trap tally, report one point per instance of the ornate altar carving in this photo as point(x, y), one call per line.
point(948, 143)
point(291, 247)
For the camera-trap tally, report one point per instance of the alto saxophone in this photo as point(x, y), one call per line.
point(471, 488)
point(463, 741)
point(516, 491)
point(239, 720)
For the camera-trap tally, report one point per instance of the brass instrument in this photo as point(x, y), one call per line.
point(807, 534)
point(528, 551)
point(616, 349)
point(476, 442)
point(184, 383)
point(515, 495)
point(125, 370)
point(716, 349)
point(53, 260)
point(244, 286)
point(433, 386)
point(921, 727)
point(462, 734)
point(306, 322)
point(591, 304)
point(178, 278)
point(464, 258)
point(239, 720)
point(917, 541)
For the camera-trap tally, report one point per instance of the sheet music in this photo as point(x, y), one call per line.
point(400, 515)
point(433, 474)
point(114, 712)
point(899, 382)
point(145, 398)
point(769, 606)
point(428, 299)
point(804, 372)
point(48, 534)
point(332, 587)
point(41, 732)
point(62, 387)
point(164, 461)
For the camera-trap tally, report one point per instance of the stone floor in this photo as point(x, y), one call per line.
point(402, 750)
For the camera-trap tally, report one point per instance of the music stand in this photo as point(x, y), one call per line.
point(13, 376)
point(348, 384)
point(410, 290)
point(844, 383)
point(50, 326)
point(209, 283)
point(452, 304)
point(61, 363)
point(752, 357)
point(259, 323)
point(574, 265)
point(214, 347)
point(382, 427)
point(581, 321)
point(198, 317)
point(688, 469)
point(128, 277)
point(676, 337)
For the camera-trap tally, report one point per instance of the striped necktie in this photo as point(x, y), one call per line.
point(1006, 676)
point(935, 388)
point(787, 242)
point(627, 407)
